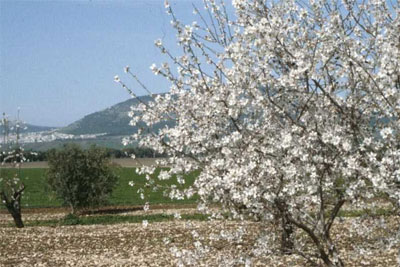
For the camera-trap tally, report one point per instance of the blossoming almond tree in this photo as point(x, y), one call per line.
point(289, 111)
point(11, 187)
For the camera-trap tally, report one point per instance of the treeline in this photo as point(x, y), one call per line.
point(128, 152)
point(31, 155)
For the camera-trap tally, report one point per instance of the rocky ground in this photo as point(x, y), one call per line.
point(362, 242)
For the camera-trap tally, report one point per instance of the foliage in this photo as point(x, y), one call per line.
point(277, 105)
point(81, 178)
point(137, 152)
point(29, 156)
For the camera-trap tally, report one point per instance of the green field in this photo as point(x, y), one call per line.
point(37, 193)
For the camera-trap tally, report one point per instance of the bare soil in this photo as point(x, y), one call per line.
point(155, 244)
point(124, 162)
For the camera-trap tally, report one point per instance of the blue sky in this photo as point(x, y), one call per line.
point(58, 58)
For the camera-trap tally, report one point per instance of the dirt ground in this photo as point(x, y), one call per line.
point(37, 214)
point(159, 244)
point(124, 162)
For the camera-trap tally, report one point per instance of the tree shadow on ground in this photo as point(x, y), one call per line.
point(110, 210)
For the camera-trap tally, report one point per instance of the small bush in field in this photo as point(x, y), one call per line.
point(81, 178)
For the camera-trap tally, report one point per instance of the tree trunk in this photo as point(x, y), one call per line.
point(287, 243)
point(333, 254)
point(14, 209)
point(13, 205)
point(72, 208)
point(17, 218)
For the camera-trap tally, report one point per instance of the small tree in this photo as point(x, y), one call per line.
point(81, 178)
point(11, 194)
point(11, 187)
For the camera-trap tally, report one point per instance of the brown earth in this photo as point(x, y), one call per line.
point(124, 162)
point(154, 244)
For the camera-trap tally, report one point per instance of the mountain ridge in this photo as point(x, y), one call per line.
point(112, 121)
point(27, 128)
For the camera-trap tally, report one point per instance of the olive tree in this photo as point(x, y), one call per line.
point(81, 178)
point(289, 111)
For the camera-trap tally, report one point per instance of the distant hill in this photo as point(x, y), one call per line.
point(35, 128)
point(27, 128)
point(113, 121)
point(105, 128)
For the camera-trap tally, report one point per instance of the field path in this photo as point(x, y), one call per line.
point(124, 162)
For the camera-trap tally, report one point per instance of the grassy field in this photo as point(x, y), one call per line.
point(38, 195)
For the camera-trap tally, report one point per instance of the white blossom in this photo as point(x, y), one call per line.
point(284, 107)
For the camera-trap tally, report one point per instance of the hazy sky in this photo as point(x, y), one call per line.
point(58, 58)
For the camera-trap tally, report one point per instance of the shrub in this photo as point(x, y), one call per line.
point(81, 178)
